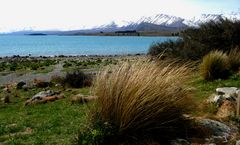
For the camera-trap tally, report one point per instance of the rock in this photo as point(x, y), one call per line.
point(81, 99)
point(216, 99)
point(238, 93)
point(226, 90)
point(44, 100)
point(226, 93)
point(179, 142)
point(41, 95)
point(226, 110)
point(229, 93)
point(58, 85)
point(20, 85)
point(218, 130)
point(6, 89)
point(51, 98)
point(238, 142)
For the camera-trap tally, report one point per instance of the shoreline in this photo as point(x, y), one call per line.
point(67, 56)
point(15, 69)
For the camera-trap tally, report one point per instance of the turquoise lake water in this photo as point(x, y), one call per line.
point(75, 45)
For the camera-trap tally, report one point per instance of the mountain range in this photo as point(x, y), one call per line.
point(164, 22)
point(155, 23)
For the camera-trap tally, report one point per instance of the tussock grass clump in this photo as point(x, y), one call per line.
point(234, 59)
point(215, 65)
point(141, 101)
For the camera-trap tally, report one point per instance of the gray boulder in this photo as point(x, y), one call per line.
point(218, 130)
point(222, 94)
point(180, 142)
point(238, 92)
point(229, 93)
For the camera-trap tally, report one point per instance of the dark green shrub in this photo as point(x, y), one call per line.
point(57, 80)
point(221, 35)
point(169, 47)
point(3, 66)
point(67, 64)
point(214, 66)
point(42, 84)
point(77, 79)
point(34, 66)
point(197, 42)
point(12, 67)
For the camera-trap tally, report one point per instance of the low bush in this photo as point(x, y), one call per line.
point(41, 84)
point(169, 47)
point(215, 65)
point(34, 66)
point(74, 79)
point(67, 64)
point(57, 79)
point(138, 102)
point(234, 59)
point(222, 35)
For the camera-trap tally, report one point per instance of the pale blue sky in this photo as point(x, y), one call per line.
point(217, 5)
point(77, 14)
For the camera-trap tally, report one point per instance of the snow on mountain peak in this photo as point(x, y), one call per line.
point(161, 19)
point(164, 20)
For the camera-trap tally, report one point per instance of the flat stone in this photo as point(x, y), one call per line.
point(227, 92)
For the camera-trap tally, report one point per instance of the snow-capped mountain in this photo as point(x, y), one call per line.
point(196, 21)
point(233, 16)
point(154, 23)
point(162, 21)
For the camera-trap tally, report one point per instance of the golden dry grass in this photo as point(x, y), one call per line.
point(144, 98)
point(234, 59)
point(215, 65)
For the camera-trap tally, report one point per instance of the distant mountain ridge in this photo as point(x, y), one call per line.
point(155, 23)
point(164, 21)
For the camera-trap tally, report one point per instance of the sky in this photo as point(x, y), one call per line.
point(77, 14)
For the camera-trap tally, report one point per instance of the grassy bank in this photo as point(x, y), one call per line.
point(52, 123)
point(60, 122)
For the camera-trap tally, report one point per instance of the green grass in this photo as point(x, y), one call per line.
point(44, 70)
point(91, 64)
point(52, 123)
point(205, 88)
point(59, 122)
point(20, 65)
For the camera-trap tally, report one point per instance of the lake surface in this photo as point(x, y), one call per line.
point(75, 45)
